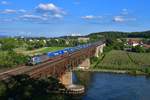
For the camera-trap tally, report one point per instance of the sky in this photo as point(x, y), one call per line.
point(52, 18)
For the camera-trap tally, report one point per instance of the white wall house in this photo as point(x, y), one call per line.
point(134, 43)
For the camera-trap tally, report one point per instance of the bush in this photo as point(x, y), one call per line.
point(138, 49)
point(147, 70)
point(107, 48)
point(148, 50)
point(8, 44)
point(10, 59)
point(22, 87)
point(93, 60)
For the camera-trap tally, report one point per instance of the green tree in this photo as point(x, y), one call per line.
point(10, 59)
point(22, 87)
point(8, 44)
point(138, 49)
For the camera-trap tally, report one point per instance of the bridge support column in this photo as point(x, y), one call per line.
point(99, 49)
point(72, 89)
point(66, 79)
point(85, 64)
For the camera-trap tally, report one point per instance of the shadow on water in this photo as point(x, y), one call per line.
point(74, 97)
point(106, 86)
point(81, 78)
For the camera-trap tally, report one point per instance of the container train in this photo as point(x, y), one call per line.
point(49, 56)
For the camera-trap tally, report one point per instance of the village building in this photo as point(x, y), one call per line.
point(134, 42)
point(83, 39)
point(146, 46)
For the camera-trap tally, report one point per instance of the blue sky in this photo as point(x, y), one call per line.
point(65, 17)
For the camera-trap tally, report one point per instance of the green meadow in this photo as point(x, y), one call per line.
point(122, 60)
point(38, 51)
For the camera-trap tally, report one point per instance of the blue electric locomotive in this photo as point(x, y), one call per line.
point(52, 55)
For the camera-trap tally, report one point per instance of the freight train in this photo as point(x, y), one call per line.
point(49, 56)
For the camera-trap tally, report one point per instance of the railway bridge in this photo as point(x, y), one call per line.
point(61, 67)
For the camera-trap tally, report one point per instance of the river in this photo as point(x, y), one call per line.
point(106, 86)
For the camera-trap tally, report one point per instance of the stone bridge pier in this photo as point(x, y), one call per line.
point(85, 64)
point(99, 50)
point(66, 79)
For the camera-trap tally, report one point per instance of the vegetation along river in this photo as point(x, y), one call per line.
point(106, 86)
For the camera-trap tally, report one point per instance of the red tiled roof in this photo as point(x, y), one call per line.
point(146, 46)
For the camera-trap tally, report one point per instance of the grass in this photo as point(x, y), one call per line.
point(133, 63)
point(122, 60)
point(117, 59)
point(142, 59)
point(38, 51)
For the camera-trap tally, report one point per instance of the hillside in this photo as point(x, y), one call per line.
point(3, 36)
point(115, 34)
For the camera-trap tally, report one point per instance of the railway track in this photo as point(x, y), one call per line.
point(12, 72)
point(25, 69)
point(28, 69)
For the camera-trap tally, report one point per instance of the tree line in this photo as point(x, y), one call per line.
point(22, 87)
point(115, 34)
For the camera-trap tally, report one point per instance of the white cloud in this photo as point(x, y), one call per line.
point(131, 19)
point(49, 8)
point(43, 13)
point(125, 11)
point(90, 17)
point(57, 16)
point(4, 3)
point(8, 11)
point(12, 11)
point(22, 11)
point(29, 17)
point(124, 16)
point(118, 19)
point(4, 20)
point(121, 19)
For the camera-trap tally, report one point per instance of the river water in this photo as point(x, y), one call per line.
point(105, 86)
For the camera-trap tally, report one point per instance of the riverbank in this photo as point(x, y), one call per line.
point(112, 71)
point(103, 70)
point(118, 61)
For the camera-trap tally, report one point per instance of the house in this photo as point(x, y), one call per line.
point(30, 40)
point(134, 42)
point(146, 46)
point(84, 39)
point(44, 41)
point(67, 42)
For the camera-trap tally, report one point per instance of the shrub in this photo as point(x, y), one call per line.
point(10, 59)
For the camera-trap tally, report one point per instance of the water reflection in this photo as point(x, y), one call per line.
point(104, 86)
